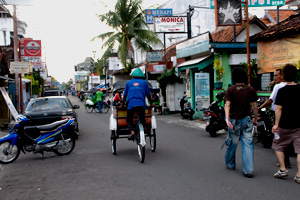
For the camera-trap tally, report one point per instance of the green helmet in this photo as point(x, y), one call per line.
point(137, 72)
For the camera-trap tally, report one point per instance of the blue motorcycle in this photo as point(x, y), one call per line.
point(58, 137)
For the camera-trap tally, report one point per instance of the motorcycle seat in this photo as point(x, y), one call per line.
point(54, 125)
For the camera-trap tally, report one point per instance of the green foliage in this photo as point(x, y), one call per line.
point(219, 69)
point(252, 64)
point(130, 30)
point(35, 84)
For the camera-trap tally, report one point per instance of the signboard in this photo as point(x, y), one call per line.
point(154, 56)
point(228, 12)
point(20, 67)
point(196, 45)
point(170, 24)
point(159, 68)
point(275, 54)
point(202, 90)
point(257, 3)
point(10, 105)
point(32, 48)
point(151, 13)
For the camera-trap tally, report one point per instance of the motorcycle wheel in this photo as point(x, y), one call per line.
point(213, 133)
point(88, 108)
point(5, 157)
point(67, 147)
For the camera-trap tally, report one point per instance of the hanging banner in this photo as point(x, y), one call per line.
point(257, 3)
point(202, 91)
point(228, 12)
point(275, 54)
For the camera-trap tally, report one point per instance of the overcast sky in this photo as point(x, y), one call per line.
point(66, 28)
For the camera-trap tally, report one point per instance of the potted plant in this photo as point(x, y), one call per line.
point(219, 73)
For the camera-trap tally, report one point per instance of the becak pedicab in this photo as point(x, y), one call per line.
point(119, 129)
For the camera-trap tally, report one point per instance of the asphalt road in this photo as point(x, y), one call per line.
point(187, 164)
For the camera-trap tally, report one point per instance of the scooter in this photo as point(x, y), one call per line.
point(58, 137)
point(186, 109)
point(263, 131)
point(215, 116)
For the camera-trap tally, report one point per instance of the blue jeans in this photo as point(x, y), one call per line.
point(100, 106)
point(242, 130)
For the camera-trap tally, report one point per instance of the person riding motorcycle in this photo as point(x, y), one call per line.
point(135, 91)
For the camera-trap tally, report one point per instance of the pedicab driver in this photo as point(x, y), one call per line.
point(135, 92)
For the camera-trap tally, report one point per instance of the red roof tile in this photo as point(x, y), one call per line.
point(283, 14)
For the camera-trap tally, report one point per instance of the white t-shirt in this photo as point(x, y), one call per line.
point(274, 93)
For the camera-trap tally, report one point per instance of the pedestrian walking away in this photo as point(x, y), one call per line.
point(237, 114)
point(280, 82)
point(99, 96)
point(287, 127)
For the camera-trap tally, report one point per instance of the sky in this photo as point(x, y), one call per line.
point(66, 28)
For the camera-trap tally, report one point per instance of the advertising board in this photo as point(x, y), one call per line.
point(170, 24)
point(151, 13)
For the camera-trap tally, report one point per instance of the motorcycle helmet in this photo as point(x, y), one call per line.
point(137, 72)
point(220, 95)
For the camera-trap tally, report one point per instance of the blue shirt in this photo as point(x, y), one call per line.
point(136, 90)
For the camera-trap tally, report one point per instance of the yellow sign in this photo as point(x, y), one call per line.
point(275, 54)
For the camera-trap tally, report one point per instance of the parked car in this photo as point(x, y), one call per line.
point(51, 93)
point(45, 110)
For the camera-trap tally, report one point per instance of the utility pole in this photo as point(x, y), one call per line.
point(18, 84)
point(189, 21)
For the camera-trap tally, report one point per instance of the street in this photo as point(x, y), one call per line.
point(187, 164)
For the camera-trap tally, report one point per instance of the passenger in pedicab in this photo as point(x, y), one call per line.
point(135, 93)
point(117, 98)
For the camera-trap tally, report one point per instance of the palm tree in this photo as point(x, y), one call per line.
point(130, 30)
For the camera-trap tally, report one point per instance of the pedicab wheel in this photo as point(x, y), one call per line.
point(141, 152)
point(141, 149)
point(113, 142)
point(88, 108)
point(152, 139)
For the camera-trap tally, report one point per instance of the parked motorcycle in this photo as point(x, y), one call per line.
point(263, 132)
point(58, 137)
point(186, 109)
point(215, 116)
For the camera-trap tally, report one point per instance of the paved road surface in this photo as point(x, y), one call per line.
point(188, 164)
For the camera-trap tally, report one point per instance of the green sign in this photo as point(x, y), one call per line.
point(258, 3)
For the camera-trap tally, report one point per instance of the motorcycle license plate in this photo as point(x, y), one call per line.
point(207, 119)
point(261, 123)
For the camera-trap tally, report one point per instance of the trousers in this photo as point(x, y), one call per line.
point(242, 130)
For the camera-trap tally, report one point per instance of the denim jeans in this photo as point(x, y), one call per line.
point(99, 106)
point(242, 130)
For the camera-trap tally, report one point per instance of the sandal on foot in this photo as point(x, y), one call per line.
point(281, 174)
point(131, 137)
point(297, 179)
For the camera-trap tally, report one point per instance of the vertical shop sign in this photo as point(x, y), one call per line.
point(202, 90)
point(228, 12)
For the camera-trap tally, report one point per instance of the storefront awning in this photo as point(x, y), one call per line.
point(199, 63)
